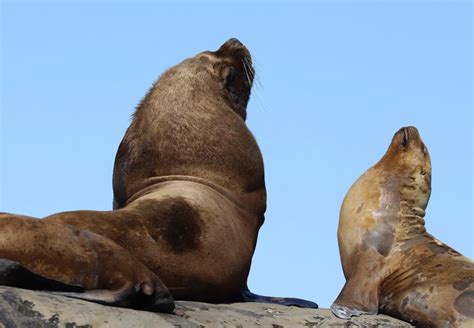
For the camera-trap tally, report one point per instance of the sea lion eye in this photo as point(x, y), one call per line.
point(229, 78)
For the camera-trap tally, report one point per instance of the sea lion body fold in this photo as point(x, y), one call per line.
point(391, 263)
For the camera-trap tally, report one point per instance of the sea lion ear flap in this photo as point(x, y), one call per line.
point(228, 75)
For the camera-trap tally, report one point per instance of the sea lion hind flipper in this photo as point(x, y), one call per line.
point(16, 275)
point(129, 295)
point(248, 296)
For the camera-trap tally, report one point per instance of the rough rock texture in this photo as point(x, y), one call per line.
point(25, 308)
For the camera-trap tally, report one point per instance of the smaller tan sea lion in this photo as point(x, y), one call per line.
point(391, 263)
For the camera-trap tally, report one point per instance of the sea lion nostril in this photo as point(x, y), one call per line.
point(405, 136)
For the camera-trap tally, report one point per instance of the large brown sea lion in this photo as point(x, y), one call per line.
point(189, 199)
point(390, 262)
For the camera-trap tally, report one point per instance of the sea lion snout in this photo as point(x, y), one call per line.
point(406, 166)
point(407, 147)
point(234, 42)
point(236, 50)
point(406, 135)
point(233, 64)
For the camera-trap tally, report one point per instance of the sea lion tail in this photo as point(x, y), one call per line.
point(248, 296)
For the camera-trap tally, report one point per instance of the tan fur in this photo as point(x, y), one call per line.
point(390, 262)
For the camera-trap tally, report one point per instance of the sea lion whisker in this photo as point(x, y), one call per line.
point(255, 77)
point(260, 102)
point(251, 69)
point(246, 72)
point(248, 67)
point(258, 82)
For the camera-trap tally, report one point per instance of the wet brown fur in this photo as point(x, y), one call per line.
point(390, 262)
point(189, 191)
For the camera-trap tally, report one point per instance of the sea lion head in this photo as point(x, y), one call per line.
point(407, 166)
point(234, 72)
point(225, 74)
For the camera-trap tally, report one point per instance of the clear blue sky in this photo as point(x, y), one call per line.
point(338, 79)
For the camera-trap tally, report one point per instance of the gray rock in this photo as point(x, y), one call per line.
point(26, 308)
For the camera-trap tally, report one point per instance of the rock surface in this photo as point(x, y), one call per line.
point(25, 308)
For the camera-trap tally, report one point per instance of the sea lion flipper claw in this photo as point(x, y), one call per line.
point(248, 296)
point(160, 300)
point(356, 298)
point(344, 312)
point(346, 306)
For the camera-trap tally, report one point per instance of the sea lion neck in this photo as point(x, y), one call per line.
point(398, 206)
point(246, 202)
point(411, 221)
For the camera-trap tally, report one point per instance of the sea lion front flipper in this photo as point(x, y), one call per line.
point(355, 300)
point(360, 294)
point(248, 296)
point(141, 296)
